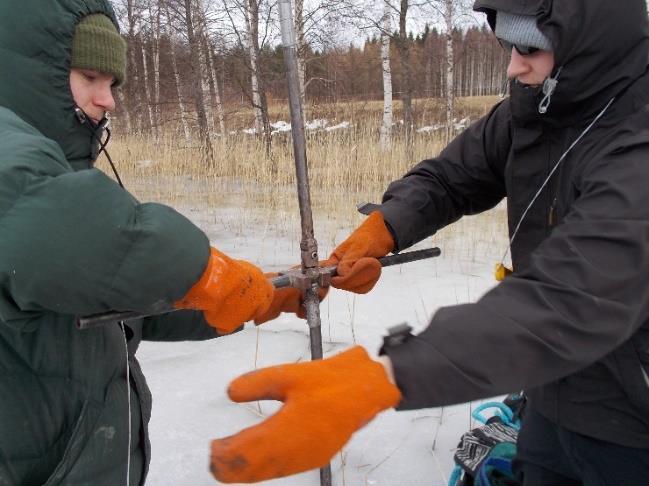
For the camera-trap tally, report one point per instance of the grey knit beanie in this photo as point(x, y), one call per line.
point(520, 29)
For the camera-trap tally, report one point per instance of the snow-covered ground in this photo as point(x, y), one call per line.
point(321, 124)
point(188, 380)
point(318, 124)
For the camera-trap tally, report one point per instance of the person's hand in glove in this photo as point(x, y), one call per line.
point(287, 299)
point(230, 292)
point(325, 402)
point(357, 256)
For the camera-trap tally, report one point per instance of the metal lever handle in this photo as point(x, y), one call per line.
point(279, 282)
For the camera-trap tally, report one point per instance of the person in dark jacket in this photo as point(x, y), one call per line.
point(75, 406)
point(569, 149)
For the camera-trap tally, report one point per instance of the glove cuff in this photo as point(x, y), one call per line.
point(383, 392)
point(376, 230)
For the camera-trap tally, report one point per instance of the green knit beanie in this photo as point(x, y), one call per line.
point(97, 45)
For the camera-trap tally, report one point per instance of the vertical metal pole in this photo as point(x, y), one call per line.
point(308, 244)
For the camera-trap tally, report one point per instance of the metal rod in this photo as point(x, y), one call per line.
point(308, 244)
point(279, 282)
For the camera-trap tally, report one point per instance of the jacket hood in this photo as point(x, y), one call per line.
point(35, 51)
point(601, 46)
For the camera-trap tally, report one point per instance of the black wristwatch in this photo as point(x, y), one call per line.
point(396, 336)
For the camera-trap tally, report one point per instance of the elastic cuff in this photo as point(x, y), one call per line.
point(411, 379)
point(393, 216)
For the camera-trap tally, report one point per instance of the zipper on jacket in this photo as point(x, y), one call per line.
point(552, 213)
point(128, 399)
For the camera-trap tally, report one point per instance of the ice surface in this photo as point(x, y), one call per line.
point(188, 380)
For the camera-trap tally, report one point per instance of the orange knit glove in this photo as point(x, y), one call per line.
point(325, 402)
point(288, 299)
point(230, 292)
point(356, 257)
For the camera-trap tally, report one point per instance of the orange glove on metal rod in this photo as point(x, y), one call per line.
point(287, 299)
point(356, 257)
point(325, 402)
point(230, 292)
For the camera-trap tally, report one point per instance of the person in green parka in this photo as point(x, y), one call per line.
point(74, 404)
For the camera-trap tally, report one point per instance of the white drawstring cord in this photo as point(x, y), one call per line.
point(128, 398)
point(547, 179)
point(549, 85)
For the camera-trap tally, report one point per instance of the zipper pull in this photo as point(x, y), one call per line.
point(502, 271)
point(552, 214)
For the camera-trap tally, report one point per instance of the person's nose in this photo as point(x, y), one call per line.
point(104, 98)
point(518, 65)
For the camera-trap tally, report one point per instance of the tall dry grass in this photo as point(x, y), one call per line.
point(342, 164)
point(345, 167)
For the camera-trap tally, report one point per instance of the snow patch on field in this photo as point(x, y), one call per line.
point(316, 125)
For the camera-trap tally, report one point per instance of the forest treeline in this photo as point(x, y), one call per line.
point(194, 63)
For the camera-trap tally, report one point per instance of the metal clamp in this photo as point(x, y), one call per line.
point(320, 275)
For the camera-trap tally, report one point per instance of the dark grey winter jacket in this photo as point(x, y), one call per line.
point(571, 325)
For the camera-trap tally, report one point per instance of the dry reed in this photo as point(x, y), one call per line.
point(345, 166)
point(341, 163)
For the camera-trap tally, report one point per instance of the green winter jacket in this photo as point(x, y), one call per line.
point(72, 242)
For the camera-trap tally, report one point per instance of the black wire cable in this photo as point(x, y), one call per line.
point(96, 129)
point(110, 160)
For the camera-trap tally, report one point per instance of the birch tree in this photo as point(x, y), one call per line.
point(249, 41)
point(449, 12)
point(385, 139)
point(452, 12)
point(403, 46)
point(134, 79)
point(176, 78)
point(301, 49)
point(312, 26)
point(155, 15)
point(147, 88)
point(212, 60)
point(123, 106)
point(204, 59)
point(197, 82)
point(215, 86)
point(257, 81)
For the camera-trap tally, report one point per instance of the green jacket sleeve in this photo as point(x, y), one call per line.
point(184, 325)
point(76, 243)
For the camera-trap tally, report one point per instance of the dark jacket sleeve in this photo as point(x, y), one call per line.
point(183, 325)
point(466, 178)
point(583, 295)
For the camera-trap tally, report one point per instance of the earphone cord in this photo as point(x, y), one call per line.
point(102, 148)
point(547, 179)
point(95, 131)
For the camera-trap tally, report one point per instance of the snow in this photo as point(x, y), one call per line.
point(340, 126)
point(457, 126)
point(430, 128)
point(188, 380)
point(315, 125)
point(280, 126)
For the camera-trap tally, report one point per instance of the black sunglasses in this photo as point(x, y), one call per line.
point(523, 50)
